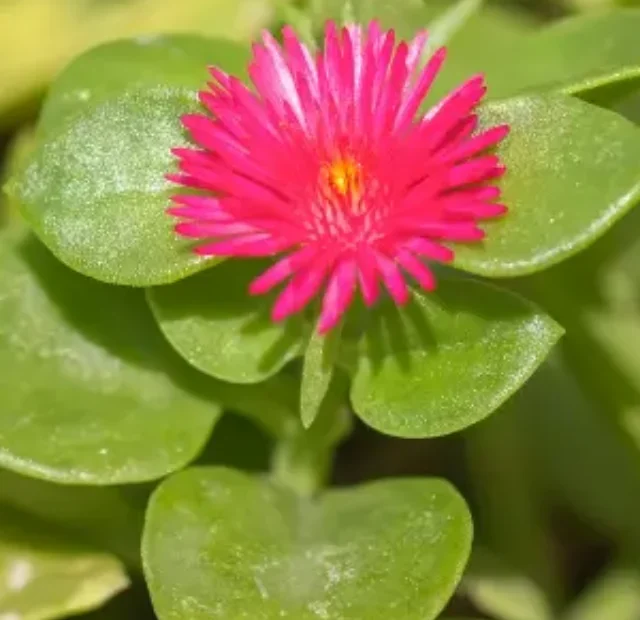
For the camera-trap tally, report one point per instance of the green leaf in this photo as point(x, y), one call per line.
point(615, 595)
point(518, 530)
point(447, 360)
point(213, 322)
point(250, 548)
point(564, 59)
point(482, 45)
point(599, 478)
point(44, 577)
point(177, 62)
point(129, 605)
point(517, 58)
point(317, 371)
point(95, 190)
point(571, 173)
point(498, 590)
point(91, 393)
point(105, 518)
point(452, 19)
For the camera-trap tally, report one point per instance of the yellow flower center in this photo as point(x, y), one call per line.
point(344, 176)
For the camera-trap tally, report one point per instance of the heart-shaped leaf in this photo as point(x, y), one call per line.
point(250, 548)
point(215, 324)
point(95, 190)
point(447, 360)
point(90, 391)
point(572, 171)
point(45, 577)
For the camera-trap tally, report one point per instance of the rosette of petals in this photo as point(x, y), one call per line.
point(328, 165)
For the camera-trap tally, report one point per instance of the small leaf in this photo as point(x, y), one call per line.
point(91, 393)
point(614, 595)
point(215, 324)
point(95, 190)
point(44, 577)
point(571, 173)
point(317, 370)
point(447, 360)
point(496, 589)
point(249, 547)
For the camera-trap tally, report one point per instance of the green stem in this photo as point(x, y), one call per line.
point(302, 460)
point(299, 465)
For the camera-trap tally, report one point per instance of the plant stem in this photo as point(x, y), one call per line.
point(302, 460)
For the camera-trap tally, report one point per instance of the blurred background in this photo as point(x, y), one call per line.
point(553, 478)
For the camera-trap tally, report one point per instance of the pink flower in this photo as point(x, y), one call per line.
point(329, 165)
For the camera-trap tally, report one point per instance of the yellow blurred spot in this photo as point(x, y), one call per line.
point(344, 176)
point(39, 37)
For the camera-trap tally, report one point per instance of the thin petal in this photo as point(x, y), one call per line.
point(301, 289)
point(284, 268)
point(392, 278)
point(422, 274)
point(339, 294)
point(368, 277)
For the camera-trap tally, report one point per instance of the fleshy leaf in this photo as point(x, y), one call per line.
point(215, 324)
point(613, 595)
point(317, 370)
point(563, 58)
point(95, 190)
point(45, 577)
point(251, 547)
point(178, 62)
point(571, 174)
point(447, 360)
point(106, 518)
point(91, 393)
point(497, 589)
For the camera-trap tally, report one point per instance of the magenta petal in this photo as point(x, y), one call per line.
point(326, 164)
point(282, 270)
point(423, 275)
point(393, 279)
point(340, 291)
point(300, 290)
